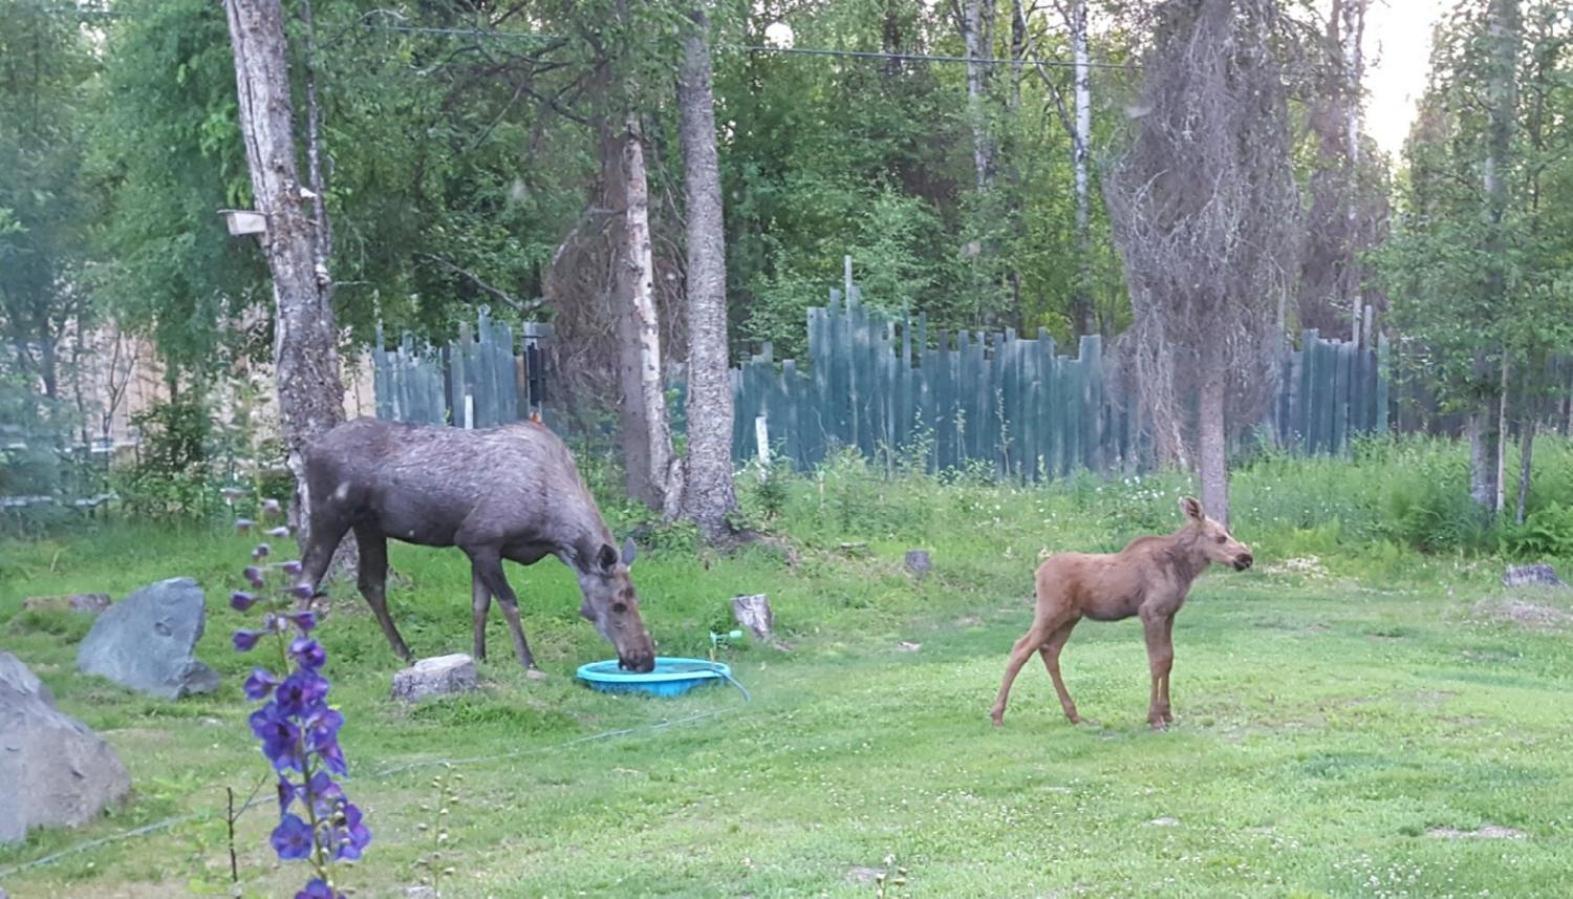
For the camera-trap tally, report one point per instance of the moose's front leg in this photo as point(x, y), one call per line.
point(1160, 658)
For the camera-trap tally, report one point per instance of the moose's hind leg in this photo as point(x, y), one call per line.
point(488, 570)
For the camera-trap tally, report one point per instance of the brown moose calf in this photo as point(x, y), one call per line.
point(1150, 577)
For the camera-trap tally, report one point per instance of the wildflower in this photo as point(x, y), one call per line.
point(260, 684)
point(280, 531)
point(261, 552)
point(292, 838)
point(301, 693)
point(318, 889)
point(291, 568)
point(271, 506)
point(308, 653)
point(303, 592)
point(240, 601)
point(245, 640)
point(303, 620)
point(242, 525)
point(253, 576)
point(280, 738)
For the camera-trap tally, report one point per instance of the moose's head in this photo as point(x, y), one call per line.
point(611, 604)
point(1213, 539)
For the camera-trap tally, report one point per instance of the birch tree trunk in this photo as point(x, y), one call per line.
point(652, 477)
point(1081, 138)
point(976, 26)
point(311, 394)
point(1485, 436)
point(708, 495)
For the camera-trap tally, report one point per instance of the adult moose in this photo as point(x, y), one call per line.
point(1150, 577)
point(511, 492)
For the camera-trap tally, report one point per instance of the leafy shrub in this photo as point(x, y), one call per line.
point(173, 476)
point(1545, 534)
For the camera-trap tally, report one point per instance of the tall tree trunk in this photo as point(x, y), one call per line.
point(311, 394)
point(1353, 12)
point(1081, 138)
point(647, 439)
point(1018, 55)
point(976, 28)
point(1485, 432)
point(1526, 453)
point(708, 492)
point(1212, 447)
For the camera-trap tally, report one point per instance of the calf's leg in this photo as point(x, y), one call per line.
point(1051, 660)
point(1160, 658)
point(1037, 636)
point(374, 585)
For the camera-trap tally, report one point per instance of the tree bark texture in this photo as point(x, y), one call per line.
point(708, 494)
point(647, 439)
point(1212, 445)
point(311, 394)
point(1081, 139)
point(976, 31)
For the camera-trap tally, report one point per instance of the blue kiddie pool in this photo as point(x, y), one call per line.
point(670, 677)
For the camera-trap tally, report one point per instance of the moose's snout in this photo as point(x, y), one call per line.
point(640, 664)
point(1243, 561)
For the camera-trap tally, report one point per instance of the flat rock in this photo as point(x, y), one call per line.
point(146, 641)
point(918, 562)
point(437, 676)
point(57, 772)
point(81, 603)
point(753, 612)
point(1531, 575)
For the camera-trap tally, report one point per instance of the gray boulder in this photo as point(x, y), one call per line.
point(57, 772)
point(754, 613)
point(146, 641)
point(437, 676)
point(1531, 575)
point(917, 562)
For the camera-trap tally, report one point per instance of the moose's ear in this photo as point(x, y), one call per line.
point(630, 552)
point(1191, 507)
point(607, 557)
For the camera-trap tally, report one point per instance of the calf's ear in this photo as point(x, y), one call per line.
point(1191, 507)
point(607, 557)
point(630, 552)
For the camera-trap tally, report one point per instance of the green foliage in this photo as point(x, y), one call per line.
point(173, 476)
point(1547, 533)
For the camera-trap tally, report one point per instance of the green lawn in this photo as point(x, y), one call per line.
point(1331, 729)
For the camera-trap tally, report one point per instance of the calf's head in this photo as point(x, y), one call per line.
point(611, 604)
point(1213, 539)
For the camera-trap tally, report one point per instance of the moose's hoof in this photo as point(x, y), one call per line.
point(535, 674)
point(997, 716)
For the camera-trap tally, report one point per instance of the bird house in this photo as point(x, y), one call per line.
point(244, 221)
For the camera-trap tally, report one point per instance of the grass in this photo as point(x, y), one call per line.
point(1336, 719)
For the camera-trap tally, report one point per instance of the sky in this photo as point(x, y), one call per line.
point(1398, 45)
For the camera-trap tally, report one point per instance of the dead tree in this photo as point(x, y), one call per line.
point(1206, 216)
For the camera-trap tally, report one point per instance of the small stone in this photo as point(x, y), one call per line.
point(917, 562)
point(147, 641)
point(1164, 822)
point(908, 646)
point(1531, 575)
point(420, 891)
point(57, 772)
point(438, 676)
point(753, 612)
point(81, 603)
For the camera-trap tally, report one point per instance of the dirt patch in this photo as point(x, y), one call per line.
point(1523, 612)
point(1484, 832)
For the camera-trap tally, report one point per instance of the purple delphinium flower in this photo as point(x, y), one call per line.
point(280, 738)
point(260, 684)
point(292, 838)
point(353, 834)
point(246, 640)
point(272, 506)
point(297, 730)
point(303, 620)
point(308, 653)
point(318, 889)
point(242, 525)
point(301, 693)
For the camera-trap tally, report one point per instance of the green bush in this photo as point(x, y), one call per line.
point(173, 476)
